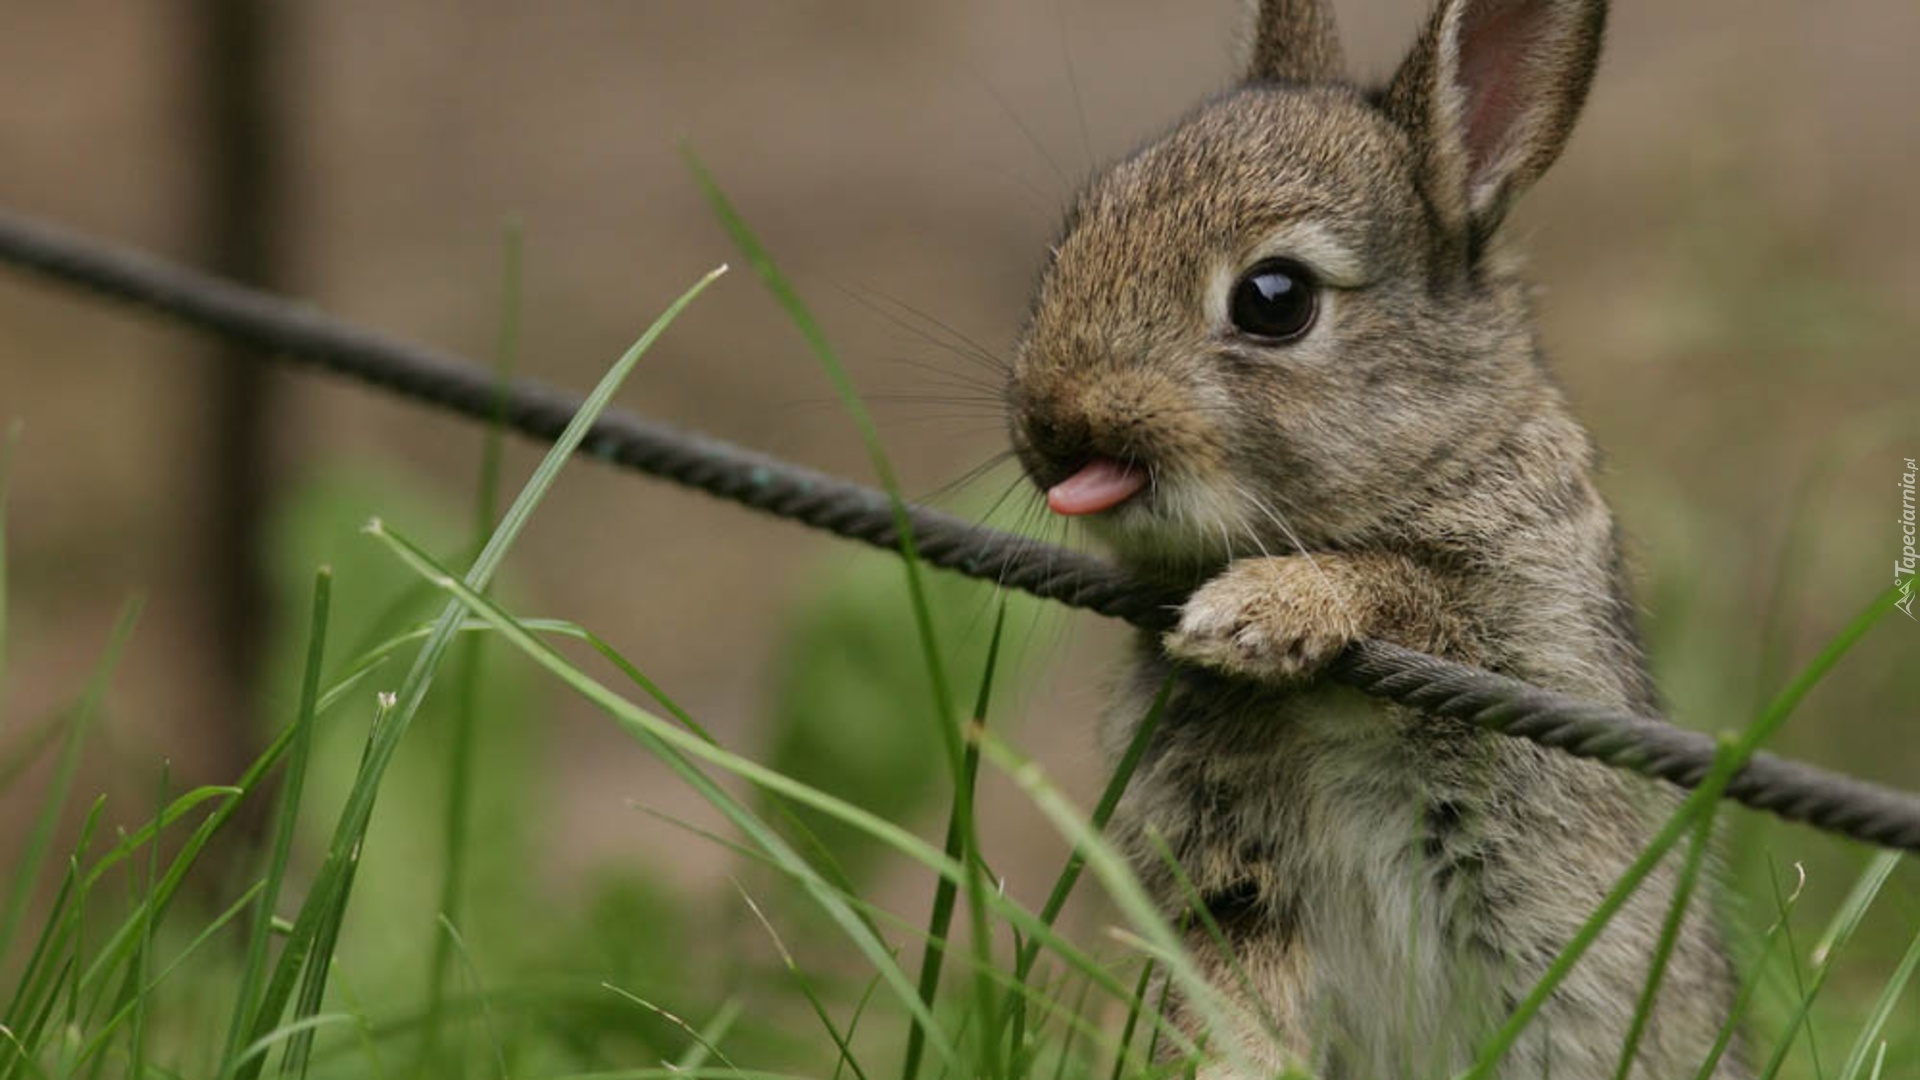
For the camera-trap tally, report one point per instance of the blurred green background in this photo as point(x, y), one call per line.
point(1728, 257)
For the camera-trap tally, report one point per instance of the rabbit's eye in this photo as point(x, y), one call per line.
point(1275, 299)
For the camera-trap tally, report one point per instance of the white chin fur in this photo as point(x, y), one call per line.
point(1178, 524)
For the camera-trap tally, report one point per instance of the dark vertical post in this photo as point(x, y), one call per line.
point(235, 72)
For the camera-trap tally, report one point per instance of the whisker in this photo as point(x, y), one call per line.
point(1032, 139)
point(955, 342)
point(979, 471)
point(1274, 516)
point(1073, 85)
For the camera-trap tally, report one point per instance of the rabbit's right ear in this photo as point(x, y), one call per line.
point(1295, 41)
point(1489, 96)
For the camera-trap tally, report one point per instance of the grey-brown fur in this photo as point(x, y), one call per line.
point(1294, 41)
point(1392, 883)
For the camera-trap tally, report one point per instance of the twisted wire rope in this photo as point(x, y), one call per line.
point(282, 328)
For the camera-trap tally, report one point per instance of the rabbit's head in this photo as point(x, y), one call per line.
point(1288, 321)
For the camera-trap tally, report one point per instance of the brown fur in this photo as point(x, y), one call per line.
point(1392, 883)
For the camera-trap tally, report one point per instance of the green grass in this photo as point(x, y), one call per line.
point(394, 925)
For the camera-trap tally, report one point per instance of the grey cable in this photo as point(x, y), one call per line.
point(283, 328)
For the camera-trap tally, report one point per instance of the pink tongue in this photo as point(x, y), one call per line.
point(1101, 484)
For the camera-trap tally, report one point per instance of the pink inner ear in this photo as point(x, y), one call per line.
point(1497, 41)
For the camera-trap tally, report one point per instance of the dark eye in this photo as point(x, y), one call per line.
point(1275, 299)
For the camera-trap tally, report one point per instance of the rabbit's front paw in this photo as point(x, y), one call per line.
point(1271, 619)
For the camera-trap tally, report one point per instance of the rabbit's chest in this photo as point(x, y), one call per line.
point(1306, 826)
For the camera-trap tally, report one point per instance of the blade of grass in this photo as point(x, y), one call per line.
point(1804, 516)
point(506, 356)
point(286, 817)
point(1744, 999)
point(932, 655)
point(796, 309)
point(814, 849)
point(327, 899)
point(700, 1046)
point(1794, 965)
point(1733, 753)
point(33, 856)
point(1197, 910)
point(464, 737)
point(120, 944)
point(102, 1037)
point(141, 966)
point(805, 986)
point(7, 445)
point(313, 983)
point(1069, 876)
point(40, 984)
point(1080, 961)
point(255, 1053)
point(1839, 932)
point(1669, 937)
point(674, 746)
point(1126, 892)
point(811, 846)
point(945, 893)
point(30, 748)
point(58, 940)
point(1072, 1043)
point(1881, 1013)
point(479, 989)
point(709, 1041)
point(1125, 1052)
point(845, 1060)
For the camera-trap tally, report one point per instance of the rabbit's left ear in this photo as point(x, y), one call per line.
point(1295, 41)
point(1489, 95)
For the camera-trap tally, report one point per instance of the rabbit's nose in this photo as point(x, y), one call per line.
point(1061, 442)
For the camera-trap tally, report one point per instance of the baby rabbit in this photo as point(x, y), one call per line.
point(1282, 357)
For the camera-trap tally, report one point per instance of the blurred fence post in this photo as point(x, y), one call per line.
point(238, 92)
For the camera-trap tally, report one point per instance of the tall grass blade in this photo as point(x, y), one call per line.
point(313, 981)
point(1669, 936)
point(1124, 888)
point(7, 443)
point(674, 746)
point(1736, 1015)
point(326, 902)
point(33, 856)
point(1070, 954)
point(137, 971)
point(805, 986)
point(286, 817)
point(702, 1044)
point(1881, 1013)
point(957, 847)
point(49, 964)
point(816, 338)
point(1733, 753)
point(1839, 932)
point(1069, 876)
point(480, 992)
point(1123, 1056)
point(464, 738)
point(100, 1039)
point(932, 656)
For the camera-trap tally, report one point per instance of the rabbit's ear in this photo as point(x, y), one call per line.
point(1489, 95)
point(1295, 41)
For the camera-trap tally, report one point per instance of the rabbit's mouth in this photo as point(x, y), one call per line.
point(1097, 486)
